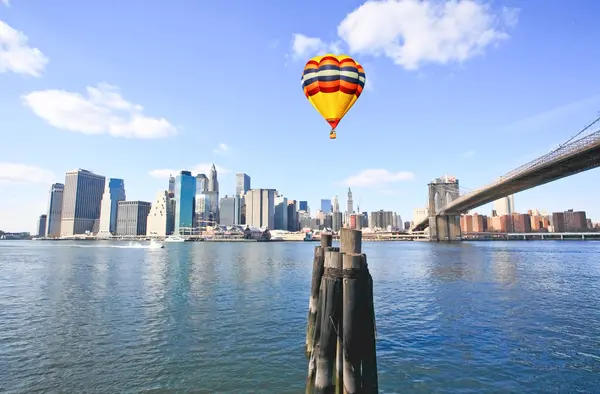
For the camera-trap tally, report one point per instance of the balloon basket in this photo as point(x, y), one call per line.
point(332, 135)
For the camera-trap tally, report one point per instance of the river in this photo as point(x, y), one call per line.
point(476, 317)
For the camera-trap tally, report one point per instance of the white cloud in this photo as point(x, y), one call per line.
point(377, 177)
point(11, 172)
point(16, 55)
point(415, 32)
point(221, 149)
point(6, 3)
point(22, 213)
point(202, 168)
point(103, 111)
point(304, 47)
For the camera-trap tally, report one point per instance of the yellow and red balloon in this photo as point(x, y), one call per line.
point(332, 84)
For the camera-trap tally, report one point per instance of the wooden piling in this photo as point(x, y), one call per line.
point(331, 308)
point(317, 274)
point(342, 356)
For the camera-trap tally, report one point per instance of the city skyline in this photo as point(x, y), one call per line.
point(425, 113)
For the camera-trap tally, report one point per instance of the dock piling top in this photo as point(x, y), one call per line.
point(326, 240)
point(351, 240)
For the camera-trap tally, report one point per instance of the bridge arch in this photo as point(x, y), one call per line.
point(439, 204)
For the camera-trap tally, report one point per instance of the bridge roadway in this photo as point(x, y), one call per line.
point(578, 156)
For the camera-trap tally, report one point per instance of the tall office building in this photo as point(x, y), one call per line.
point(242, 183)
point(326, 205)
point(350, 203)
point(292, 215)
point(171, 184)
point(81, 202)
point(161, 218)
point(213, 182)
point(303, 206)
point(336, 204)
point(113, 193)
point(505, 205)
point(55, 205)
point(202, 211)
point(280, 218)
point(185, 192)
point(229, 211)
point(132, 217)
point(260, 208)
point(201, 184)
point(41, 227)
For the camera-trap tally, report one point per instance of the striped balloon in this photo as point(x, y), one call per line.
point(332, 84)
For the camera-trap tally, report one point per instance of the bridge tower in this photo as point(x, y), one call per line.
point(443, 227)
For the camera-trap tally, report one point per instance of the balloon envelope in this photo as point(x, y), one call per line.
point(332, 84)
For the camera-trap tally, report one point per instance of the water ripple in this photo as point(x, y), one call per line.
point(230, 318)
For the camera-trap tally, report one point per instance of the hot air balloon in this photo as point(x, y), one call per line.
point(332, 84)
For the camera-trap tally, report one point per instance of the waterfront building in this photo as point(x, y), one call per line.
point(55, 205)
point(260, 208)
point(132, 217)
point(242, 183)
point(41, 227)
point(161, 218)
point(81, 202)
point(280, 218)
point(185, 192)
point(113, 193)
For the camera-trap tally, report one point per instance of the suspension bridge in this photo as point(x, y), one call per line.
point(445, 204)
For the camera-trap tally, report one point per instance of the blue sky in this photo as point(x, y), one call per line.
point(467, 89)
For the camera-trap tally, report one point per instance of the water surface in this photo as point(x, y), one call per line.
point(231, 317)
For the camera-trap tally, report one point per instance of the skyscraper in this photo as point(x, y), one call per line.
point(336, 204)
point(280, 219)
point(113, 193)
point(171, 184)
point(161, 216)
point(201, 184)
point(41, 227)
point(55, 205)
point(505, 205)
point(303, 206)
point(260, 208)
point(229, 210)
point(242, 183)
point(185, 192)
point(326, 205)
point(350, 203)
point(81, 202)
point(213, 182)
point(132, 217)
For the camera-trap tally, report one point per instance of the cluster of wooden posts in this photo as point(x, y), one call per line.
point(340, 337)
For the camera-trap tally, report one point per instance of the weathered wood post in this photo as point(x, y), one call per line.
point(317, 274)
point(343, 357)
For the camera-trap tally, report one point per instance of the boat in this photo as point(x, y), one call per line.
point(174, 238)
point(309, 236)
point(155, 245)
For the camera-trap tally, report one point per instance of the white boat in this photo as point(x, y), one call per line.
point(155, 245)
point(174, 238)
